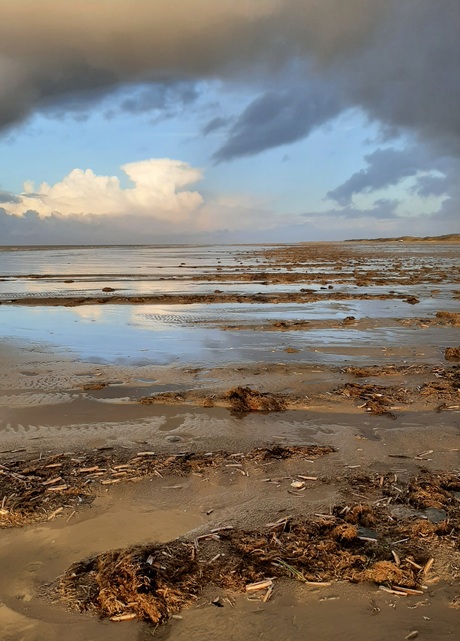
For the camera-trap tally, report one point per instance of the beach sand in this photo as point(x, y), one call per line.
point(357, 364)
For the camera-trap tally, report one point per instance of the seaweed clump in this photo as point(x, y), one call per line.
point(245, 399)
point(153, 582)
point(452, 354)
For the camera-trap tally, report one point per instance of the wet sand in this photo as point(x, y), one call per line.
point(360, 367)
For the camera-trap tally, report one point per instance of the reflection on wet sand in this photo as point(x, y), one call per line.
point(144, 335)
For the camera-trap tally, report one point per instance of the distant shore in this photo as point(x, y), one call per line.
point(446, 238)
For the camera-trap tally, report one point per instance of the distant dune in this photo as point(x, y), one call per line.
point(447, 238)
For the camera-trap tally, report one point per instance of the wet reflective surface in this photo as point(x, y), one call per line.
point(144, 334)
point(86, 271)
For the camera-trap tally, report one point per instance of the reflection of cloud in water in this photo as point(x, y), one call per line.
point(88, 312)
point(144, 288)
point(126, 335)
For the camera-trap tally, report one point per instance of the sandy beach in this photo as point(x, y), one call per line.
point(151, 396)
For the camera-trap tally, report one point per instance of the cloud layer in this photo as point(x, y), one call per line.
point(398, 61)
point(298, 63)
point(159, 206)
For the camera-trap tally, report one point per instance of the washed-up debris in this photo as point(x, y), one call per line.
point(291, 324)
point(385, 370)
point(440, 319)
point(452, 354)
point(445, 388)
point(245, 399)
point(94, 386)
point(442, 392)
point(448, 318)
point(154, 582)
point(437, 387)
point(355, 542)
point(378, 399)
point(433, 490)
point(30, 490)
point(238, 399)
point(259, 585)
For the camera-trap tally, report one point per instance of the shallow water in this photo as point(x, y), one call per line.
point(151, 334)
point(39, 272)
point(168, 334)
point(130, 261)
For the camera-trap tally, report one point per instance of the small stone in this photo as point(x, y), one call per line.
point(434, 515)
point(367, 533)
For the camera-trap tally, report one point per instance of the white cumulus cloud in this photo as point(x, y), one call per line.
point(158, 190)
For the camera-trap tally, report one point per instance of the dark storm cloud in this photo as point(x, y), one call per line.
point(410, 77)
point(435, 175)
point(275, 119)
point(164, 96)
point(215, 124)
point(448, 185)
point(398, 61)
point(385, 167)
point(444, 181)
point(431, 186)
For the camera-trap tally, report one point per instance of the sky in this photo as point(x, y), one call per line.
point(201, 121)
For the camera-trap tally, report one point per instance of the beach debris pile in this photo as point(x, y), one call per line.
point(452, 353)
point(355, 542)
point(378, 399)
point(435, 387)
point(440, 319)
point(41, 488)
point(238, 399)
point(445, 388)
point(371, 371)
point(442, 392)
point(448, 318)
point(245, 399)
